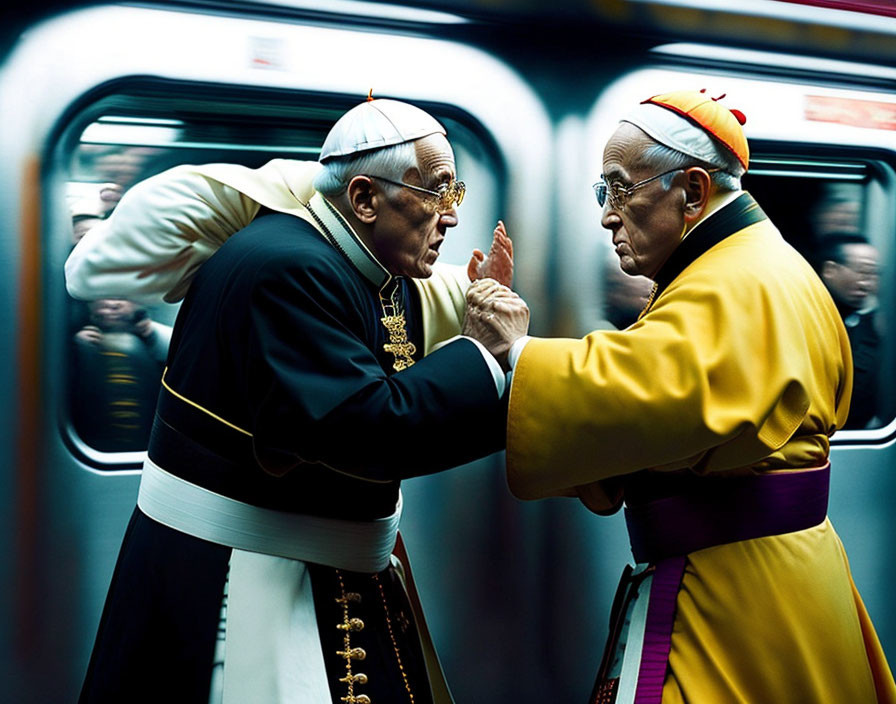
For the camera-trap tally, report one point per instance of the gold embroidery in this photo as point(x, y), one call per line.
point(396, 326)
point(398, 341)
point(352, 624)
point(349, 626)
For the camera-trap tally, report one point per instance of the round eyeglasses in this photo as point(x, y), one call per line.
point(446, 196)
point(618, 194)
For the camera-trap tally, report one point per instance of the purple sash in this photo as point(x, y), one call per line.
point(721, 510)
point(658, 630)
point(709, 511)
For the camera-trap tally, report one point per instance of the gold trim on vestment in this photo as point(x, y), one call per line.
point(204, 410)
point(396, 327)
point(349, 653)
point(247, 433)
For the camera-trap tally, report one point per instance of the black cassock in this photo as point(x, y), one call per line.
point(280, 336)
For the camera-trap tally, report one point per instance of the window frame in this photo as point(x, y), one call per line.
point(204, 101)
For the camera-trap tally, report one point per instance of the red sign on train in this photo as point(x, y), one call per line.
point(847, 111)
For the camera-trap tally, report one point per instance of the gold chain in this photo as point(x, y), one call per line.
point(404, 676)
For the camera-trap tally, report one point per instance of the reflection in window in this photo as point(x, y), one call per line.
point(118, 358)
point(834, 229)
point(117, 348)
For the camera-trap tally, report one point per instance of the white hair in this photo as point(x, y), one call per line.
point(388, 162)
point(664, 158)
point(679, 143)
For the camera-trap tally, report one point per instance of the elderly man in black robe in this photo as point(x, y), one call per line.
point(296, 398)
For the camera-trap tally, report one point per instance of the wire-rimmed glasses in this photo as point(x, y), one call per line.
point(447, 195)
point(618, 193)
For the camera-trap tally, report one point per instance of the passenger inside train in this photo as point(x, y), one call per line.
point(850, 268)
point(117, 350)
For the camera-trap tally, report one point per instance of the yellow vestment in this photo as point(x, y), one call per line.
point(742, 364)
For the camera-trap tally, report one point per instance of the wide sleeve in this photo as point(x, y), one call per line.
point(712, 378)
point(166, 226)
point(318, 393)
point(157, 237)
point(442, 303)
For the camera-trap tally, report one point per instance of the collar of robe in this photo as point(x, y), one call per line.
point(341, 235)
point(733, 217)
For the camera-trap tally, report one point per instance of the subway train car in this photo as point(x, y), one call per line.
point(96, 97)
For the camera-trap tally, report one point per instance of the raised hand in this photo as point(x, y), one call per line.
point(498, 265)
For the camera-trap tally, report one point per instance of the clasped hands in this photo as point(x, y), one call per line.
point(495, 315)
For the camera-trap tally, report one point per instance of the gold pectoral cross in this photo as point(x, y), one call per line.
point(398, 343)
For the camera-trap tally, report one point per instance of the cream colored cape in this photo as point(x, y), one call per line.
point(165, 227)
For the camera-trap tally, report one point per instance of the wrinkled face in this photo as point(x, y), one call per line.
point(854, 280)
point(409, 228)
point(648, 228)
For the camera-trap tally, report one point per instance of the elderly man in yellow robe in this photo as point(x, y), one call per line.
point(710, 419)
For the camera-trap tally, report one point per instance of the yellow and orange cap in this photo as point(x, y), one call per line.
point(697, 108)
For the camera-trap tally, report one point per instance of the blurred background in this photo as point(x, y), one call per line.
point(95, 97)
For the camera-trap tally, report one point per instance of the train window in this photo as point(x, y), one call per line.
point(115, 349)
point(833, 209)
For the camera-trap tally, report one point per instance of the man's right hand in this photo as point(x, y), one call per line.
point(498, 265)
point(495, 316)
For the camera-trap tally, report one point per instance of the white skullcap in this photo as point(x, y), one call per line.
point(689, 121)
point(377, 123)
point(673, 130)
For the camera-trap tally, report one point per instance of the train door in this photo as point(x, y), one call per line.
point(823, 161)
point(98, 99)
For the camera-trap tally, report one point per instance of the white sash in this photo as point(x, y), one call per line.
point(272, 647)
point(272, 652)
point(357, 546)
